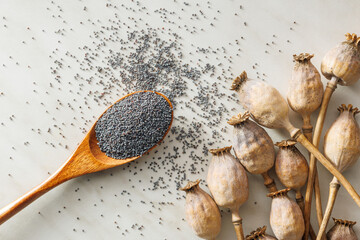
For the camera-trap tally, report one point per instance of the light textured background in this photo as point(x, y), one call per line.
point(319, 26)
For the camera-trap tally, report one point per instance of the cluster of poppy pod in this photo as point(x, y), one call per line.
point(254, 151)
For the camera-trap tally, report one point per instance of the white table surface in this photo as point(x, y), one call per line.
point(28, 37)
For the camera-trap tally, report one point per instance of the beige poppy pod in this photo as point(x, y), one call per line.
point(343, 229)
point(202, 213)
point(228, 184)
point(342, 147)
point(290, 165)
point(305, 87)
point(263, 101)
point(259, 234)
point(252, 145)
point(343, 61)
point(342, 140)
point(286, 218)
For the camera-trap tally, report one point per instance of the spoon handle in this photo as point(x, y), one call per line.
point(78, 164)
point(19, 204)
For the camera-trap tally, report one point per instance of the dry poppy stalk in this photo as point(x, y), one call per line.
point(259, 234)
point(253, 147)
point(268, 108)
point(342, 230)
point(286, 218)
point(340, 65)
point(342, 147)
point(228, 184)
point(202, 213)
point(304, 97)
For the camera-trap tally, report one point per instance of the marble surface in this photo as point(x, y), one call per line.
point(112, 204)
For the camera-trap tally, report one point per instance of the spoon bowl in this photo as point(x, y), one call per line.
point(87, 158)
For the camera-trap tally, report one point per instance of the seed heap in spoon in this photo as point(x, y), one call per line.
point(134, 125)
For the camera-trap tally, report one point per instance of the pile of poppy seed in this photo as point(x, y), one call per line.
point(133, 125)
point(146, 60)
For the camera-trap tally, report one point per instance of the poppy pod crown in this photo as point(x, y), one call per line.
point(348, 108)
point(352, 39)
point(190, 186)
point(219, 151)
point(279, 193)
point(286, 143)
point(303, 57)
point(257, 233)
point(344, 222)
point(236, 84)
point(238, 119)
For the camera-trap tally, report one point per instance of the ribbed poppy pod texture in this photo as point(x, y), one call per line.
point(342, 140)
point(305, 87)
point(286, 218)
point(228, 183)
point(291, 166)
point(343, 61)
point(342, 147)
point(343, 229)
point(202, 213)
point(227, 179)
point(252, 145)
point(259, 234)
point(264, 102)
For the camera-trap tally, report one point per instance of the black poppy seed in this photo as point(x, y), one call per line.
point(133, 125)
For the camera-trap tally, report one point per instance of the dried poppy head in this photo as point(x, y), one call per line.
point(343, 61)
point(252, 145)
point(286, 218)
point(342, 140)
point(228, 184)
point(305, 87)
point(290, 165)
point(202, 213)
point(343, 229)
point(265, 104)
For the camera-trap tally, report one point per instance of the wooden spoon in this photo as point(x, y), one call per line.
point(87, 158)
